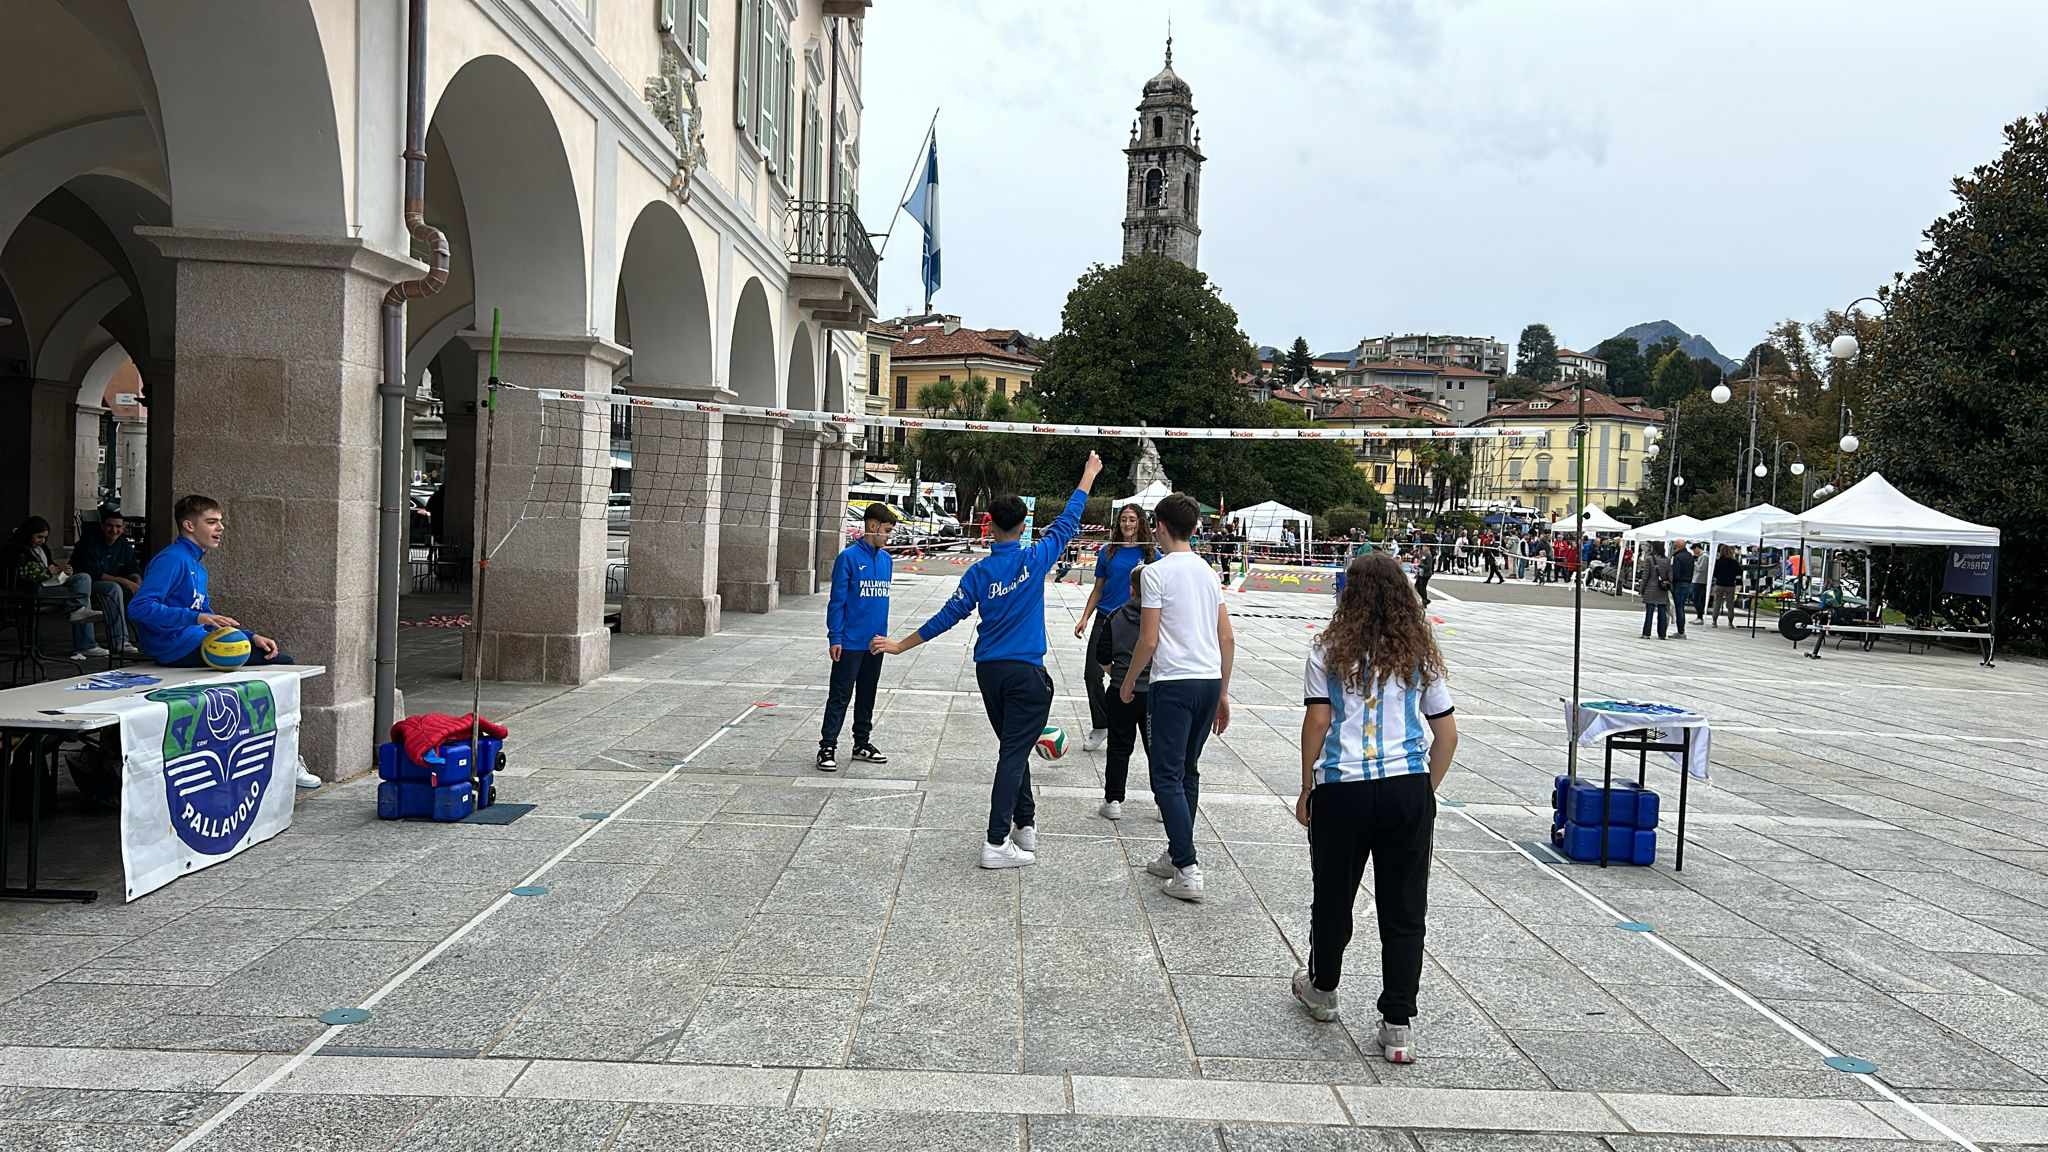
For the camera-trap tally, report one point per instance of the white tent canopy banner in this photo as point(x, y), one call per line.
point(1146, 498)
point(1264, 523)
point(1871, 511)
point(1597, 522)
point(1680, 527)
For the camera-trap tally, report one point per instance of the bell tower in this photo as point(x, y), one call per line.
point(1163, 190)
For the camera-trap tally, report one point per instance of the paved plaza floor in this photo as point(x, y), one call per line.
point(732, 951)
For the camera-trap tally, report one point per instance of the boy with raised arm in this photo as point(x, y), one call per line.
point(1007, 589)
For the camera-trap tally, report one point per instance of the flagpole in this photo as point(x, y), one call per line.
point(915, 168)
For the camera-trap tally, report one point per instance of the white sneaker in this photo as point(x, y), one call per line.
point(86, 615)
point(1162, 865)
point(1111, 810)
point(1395, 1043)
point(92, 653)
point(1026, 838)
point(1096, 740)
point(1186, 884)
point(79, 657)
point(129, 650)
point(1005, 855)
point(306, 778)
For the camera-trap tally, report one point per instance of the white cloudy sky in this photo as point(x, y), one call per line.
point(1453, 165)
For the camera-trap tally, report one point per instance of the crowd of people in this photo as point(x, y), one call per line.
point(1377, 731)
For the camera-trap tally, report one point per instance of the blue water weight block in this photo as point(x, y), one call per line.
point(415, 800)
point(445, 764)
point(1624, 845)
point(1628, 805)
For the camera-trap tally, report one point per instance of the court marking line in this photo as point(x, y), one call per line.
point(1725, 985)
point(314, 1046)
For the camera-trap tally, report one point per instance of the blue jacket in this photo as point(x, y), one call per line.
point(1008, 588)
point(859, 610)
point(166, 607)
point(1114, 570)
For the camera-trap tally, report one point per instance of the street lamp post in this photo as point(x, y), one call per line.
point(1655, 448)
point(1721, 395)
point(1798, 468)
point(1842, 350)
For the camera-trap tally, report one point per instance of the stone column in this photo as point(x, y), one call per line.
point(678, 471)
point(85, 459)
point(796, 559)
point(545, 537)
point(131, 464)
point(458, 477)
point(748, 511)
point(160, 389)
point(835, 470)
point(277, 371)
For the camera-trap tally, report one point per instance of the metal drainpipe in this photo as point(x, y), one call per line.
point(392, 534)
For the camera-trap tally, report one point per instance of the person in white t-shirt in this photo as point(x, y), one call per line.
point(1376, 742)
point(1185, 640)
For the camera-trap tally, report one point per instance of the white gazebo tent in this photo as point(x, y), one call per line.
point(1679, 527)
point(1146, 498)
point(1263, 523)
point(1597, 522)
point(1871, 512)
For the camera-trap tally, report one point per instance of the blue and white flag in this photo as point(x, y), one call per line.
point(923, 207)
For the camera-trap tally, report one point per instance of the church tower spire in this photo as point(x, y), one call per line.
point(1163, 187)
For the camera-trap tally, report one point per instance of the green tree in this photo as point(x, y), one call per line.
point(1674, 377)
point(1953, 408)
point(1301, 363)
point(1310, 475)
point(1627, 373)
point(1536, 354)
point(1516, 388)
point(1150, 341)
point(980, 465)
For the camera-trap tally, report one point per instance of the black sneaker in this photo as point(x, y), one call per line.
point(828, 759)
point(870, 754)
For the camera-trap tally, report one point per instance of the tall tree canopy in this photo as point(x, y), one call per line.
point(1674, 377)
point(1301, 363)
point(1627, 373)
point(1956, 413)
point(1536, 354)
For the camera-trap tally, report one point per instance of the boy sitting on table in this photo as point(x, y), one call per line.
point(172, 612)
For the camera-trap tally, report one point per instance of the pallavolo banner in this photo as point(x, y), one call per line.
point(207, 771)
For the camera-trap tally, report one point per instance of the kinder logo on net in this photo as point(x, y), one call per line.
point(1177, 433)
point(219, 745)
point(1045, 428)
point(911, 423)
point(1099, 431)
point(1242, 434)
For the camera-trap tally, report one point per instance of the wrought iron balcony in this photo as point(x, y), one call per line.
point(1540, 484)
point(834, 271)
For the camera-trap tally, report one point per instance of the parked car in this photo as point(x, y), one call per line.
point(618, 515)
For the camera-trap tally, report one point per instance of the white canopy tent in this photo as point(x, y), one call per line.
point(1680, 527)
point(1597, 522)
point(1871, 511)
point(1263, 523)
point(1146, 498)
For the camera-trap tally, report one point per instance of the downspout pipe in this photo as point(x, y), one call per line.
point(392, 534)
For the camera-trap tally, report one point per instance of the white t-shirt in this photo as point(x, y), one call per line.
point(1183, 587)
point(1374, 734)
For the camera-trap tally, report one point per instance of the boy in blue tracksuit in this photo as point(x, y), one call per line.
point(1007, 587)
point(858, 613)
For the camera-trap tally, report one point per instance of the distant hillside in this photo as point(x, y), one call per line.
point(1697, 347)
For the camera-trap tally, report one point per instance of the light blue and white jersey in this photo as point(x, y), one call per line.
point(1373, 735)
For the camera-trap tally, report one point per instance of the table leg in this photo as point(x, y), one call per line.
point(1606, 801)
point(1684, 778)
point(42, 752)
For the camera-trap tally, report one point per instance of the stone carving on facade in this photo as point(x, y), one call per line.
point(672, 97)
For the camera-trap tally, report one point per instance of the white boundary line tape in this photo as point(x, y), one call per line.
point(1721, 982)
point(314, 1046)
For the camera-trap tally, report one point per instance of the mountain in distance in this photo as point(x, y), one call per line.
point(1697, 347)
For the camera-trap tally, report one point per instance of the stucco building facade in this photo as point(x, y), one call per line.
point(655, 197)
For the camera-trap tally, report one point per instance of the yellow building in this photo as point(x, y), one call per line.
point(1541, 472)
point(945, 352)
point(875, 387)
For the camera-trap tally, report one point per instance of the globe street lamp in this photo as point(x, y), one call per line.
point(1843, 349)
point(1798, 469)
point(1721, 395)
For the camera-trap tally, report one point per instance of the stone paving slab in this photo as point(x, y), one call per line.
point(1880, 884)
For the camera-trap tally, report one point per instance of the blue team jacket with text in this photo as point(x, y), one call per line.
point(1008, 588)
point(169, 600)
point(859, 610)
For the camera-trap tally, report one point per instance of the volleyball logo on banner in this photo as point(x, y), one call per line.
point(219, 749)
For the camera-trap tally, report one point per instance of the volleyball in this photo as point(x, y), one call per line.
point(225, 648)
point(1052, 742)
